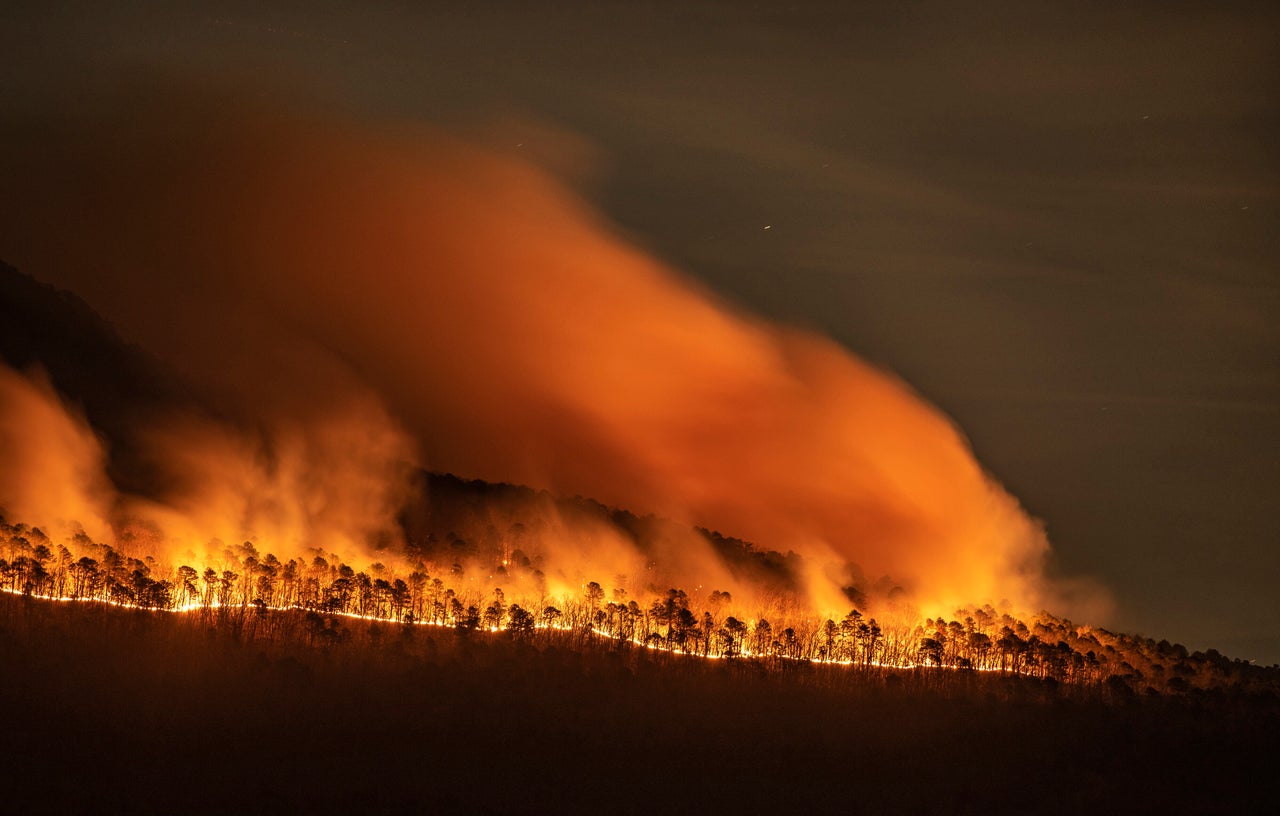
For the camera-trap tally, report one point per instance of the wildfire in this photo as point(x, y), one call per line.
point(360, 300)
point(258, 588)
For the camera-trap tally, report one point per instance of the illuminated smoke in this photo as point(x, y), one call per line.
point(294, 266)
point(52, 464)
point(333, 482)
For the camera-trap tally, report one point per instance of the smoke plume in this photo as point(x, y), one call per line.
point(368, 297)
point(53, 464)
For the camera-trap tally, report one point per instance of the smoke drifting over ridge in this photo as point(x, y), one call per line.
point(370, 297)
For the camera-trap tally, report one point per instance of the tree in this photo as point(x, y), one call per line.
point(1011, 648)
point(930, 651)
point(470, 619)
point(363, 594)
point(519, 622)
point(594, 593)
point(226, 586)
point(265, 588)
point(790, 642)
point(979, 647)
point(187, 590)
point(550, 615)
point(666, 611)
point(400, 598)
point(829, 632)
point(85, 578)
point(492, 616)
point(719, 600)
point(708, 631)
point(733, 633)
point(869, 636)
point(681, 626)
point(762, 637)
point(210, 578)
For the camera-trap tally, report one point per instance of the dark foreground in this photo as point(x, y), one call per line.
point(112, 711)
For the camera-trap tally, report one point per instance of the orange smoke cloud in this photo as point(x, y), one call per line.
point(334, 483)
point(52, 475)
point(287, 262)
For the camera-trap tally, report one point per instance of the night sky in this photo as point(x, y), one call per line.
point(1057, 222)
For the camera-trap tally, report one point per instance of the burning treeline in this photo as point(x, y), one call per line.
point(349, 303)
point(257, 599)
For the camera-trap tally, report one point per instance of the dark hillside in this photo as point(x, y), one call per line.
point(119, 387)
point(461, 519)
point(110, 710)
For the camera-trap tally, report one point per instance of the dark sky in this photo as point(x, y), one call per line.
point(1057, 221)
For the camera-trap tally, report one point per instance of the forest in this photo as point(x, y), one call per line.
point(261, 598)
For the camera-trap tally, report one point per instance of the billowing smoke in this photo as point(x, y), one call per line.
point(373, 296)
point(53, 466)
point(332, 485)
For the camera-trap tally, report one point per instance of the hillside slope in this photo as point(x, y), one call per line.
point(114, 710)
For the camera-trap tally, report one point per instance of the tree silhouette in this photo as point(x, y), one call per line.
point(519, 622)
point(470, 619)
point(550, 615)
